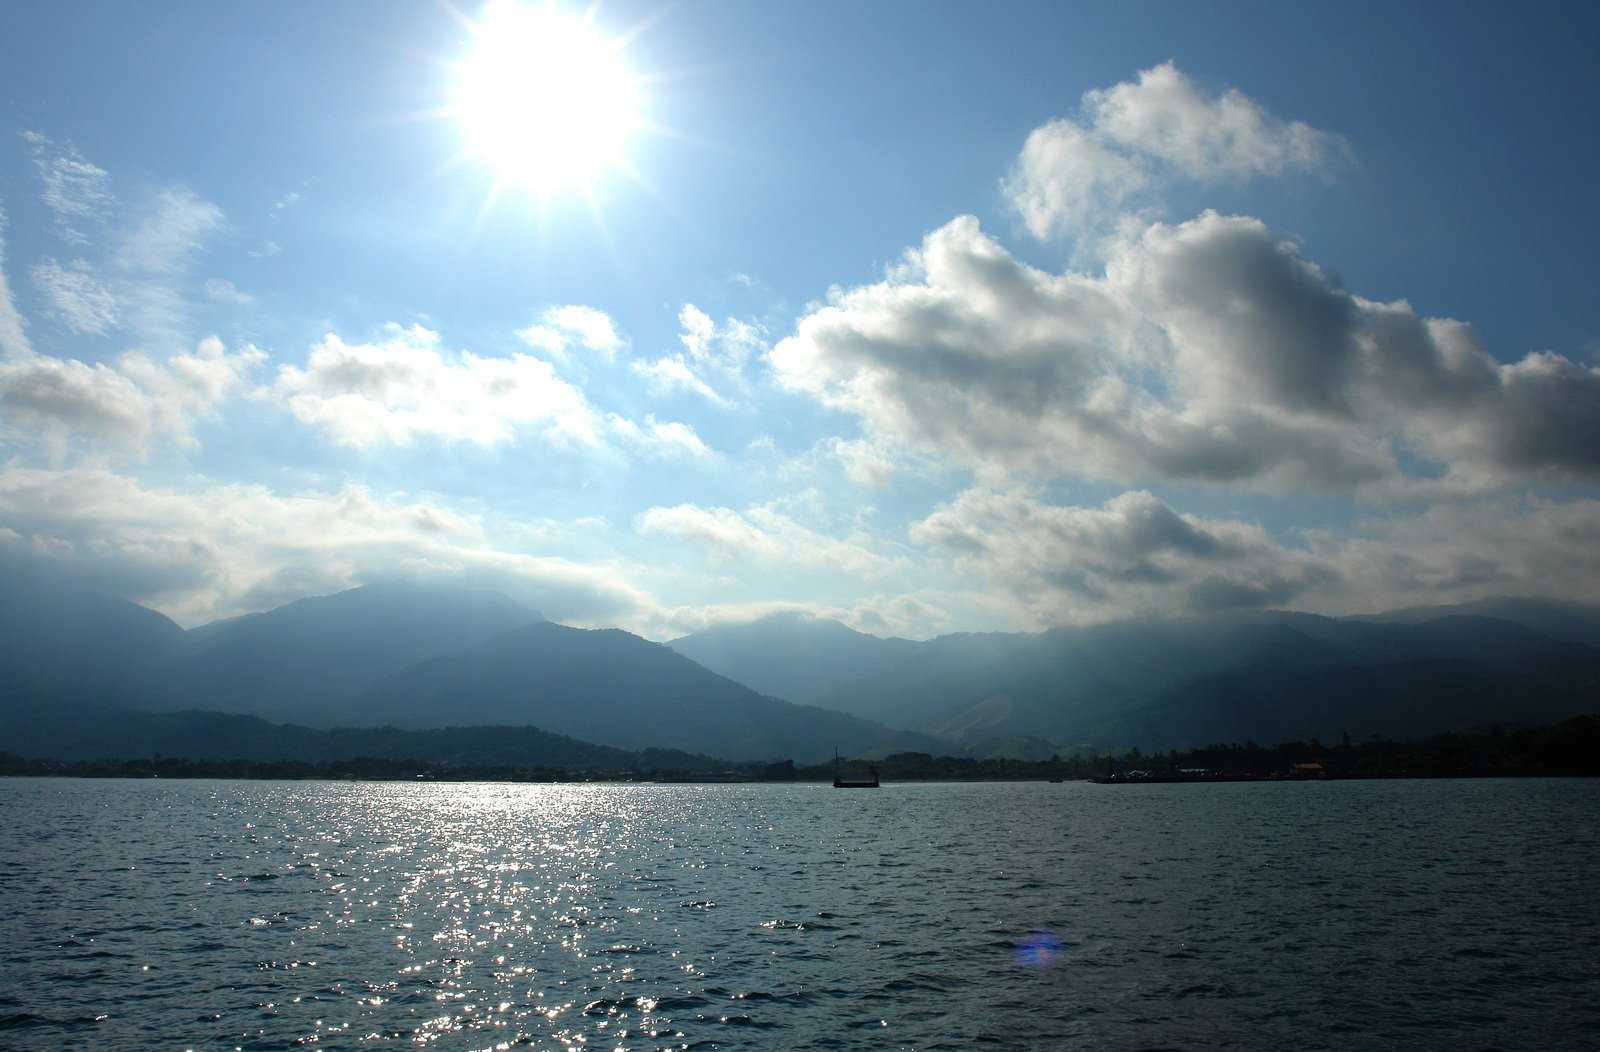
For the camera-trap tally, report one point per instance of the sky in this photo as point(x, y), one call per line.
point(922, 316)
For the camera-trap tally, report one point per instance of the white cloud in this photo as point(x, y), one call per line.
point(13, 327)
point(1209, 350)
point(119, 409)
point(1459, 552)
point(74, 189)
point(669, 440)
point(905, 616)
point(226, 550)
point(134, 276)
point(406, 386)
point(57, 400)
point(219, 291)
point(1133, 555)
point(763, 533)
point(713, 354)
point(561, 328)
point(188, 384)
point(1067, 181)
point(1073, 175)
point(1165, 116)
point(672, 373)
point(153, 259)
point(864, 462)
point(1044, 564)
point(76, 296)
point(725, 347)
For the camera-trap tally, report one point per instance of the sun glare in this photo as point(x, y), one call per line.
point(543, 98)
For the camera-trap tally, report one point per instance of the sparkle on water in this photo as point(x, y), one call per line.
point(273, 915)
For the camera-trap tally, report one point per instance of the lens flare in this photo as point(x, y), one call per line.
point(1038, 949)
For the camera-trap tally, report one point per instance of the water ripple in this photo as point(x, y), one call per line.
point(349, 916)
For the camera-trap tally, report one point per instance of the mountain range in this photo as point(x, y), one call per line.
point(391, 667)
point(74, 662)
point(1184, 682)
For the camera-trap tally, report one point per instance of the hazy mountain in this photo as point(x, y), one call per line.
point(791, 655)
point(55, 636)
point(824, 663)
point(611, 687)
point(1399, 700)
point(290, 661)
point(1257, 675)
point(1572, 622)
point(426, 658)
point(1052, 684)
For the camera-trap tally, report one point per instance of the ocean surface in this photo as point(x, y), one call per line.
point(270, 915)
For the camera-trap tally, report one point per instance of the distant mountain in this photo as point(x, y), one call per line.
point(1400, 700)
point(1056, 684)
point(1258, 675)
point(791, 655)
point(289, 662)
point(1569, 621)
point(55, 636)
point(74, 663)
point(820, 662)
point(611, 687)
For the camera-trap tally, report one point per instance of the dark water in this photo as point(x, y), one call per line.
point(1449, 915)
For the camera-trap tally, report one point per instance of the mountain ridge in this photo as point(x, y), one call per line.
point(426, 657)
point(1155, 683)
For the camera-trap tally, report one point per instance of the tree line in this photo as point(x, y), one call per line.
point(1570, 748)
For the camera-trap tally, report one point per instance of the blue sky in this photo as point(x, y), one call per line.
point(925, 317)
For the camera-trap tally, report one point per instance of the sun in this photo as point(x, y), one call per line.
point(543, 98)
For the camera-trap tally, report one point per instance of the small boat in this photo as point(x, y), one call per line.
point(840, 782)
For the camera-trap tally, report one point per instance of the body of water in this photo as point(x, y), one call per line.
point(256, 915)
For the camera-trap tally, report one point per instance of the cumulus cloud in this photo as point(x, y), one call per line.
point(562, 328)
point(1133, 555)
point(121, 408)
point(724, 347)
point(57, 398)
point(1210, 350)
point(1074, 174)
point(407, 386)
point(1044, 564)
point(1462, 551)
point(864, 462)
